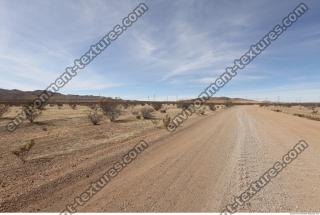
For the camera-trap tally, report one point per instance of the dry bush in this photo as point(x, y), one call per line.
point(60, 106)
point(156, 106)
point(111, 110)
point(92, 106)
point(299, 114)
point(3, 109)
point(228, 104)
point(95, 117)
point(135, 112)
point(23, 151)
point(125, 105)
point(212, 107)
point(147, 113)
point(183, 105)
point(51, 105)
point(166, 121)
point(31, 112)
point(163, 111)
point(277, 110)
point(201, 111)
point(314, 110)
point(156, 123)
point(73, 106)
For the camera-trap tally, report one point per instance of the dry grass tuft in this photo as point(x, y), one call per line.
point(166, 120)
point(24, 150)
point(31, 112)
point(3, 109)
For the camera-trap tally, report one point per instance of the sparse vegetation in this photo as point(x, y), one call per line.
point(111, 110)
point(31, 112)
point(228, 104)
point(147, 113)
point(3, 109)
point(73, 106)
point(166, 120)
point(156, 106)
point(183, 105)
point(23, 151)
point(314, 110)
point(212, 107)
point(163, 111)
point(201, 111)
point(277, 110)
point(95, 117)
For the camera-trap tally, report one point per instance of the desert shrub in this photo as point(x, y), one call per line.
point(201, 111)
point(95, 117)
point(51, 105)
point(314, 110)
point(147, 113)
point(183, 105)
point(125, 105)
point(277, 110)
point(60, 106)
point(228, 104)
point(156, 106)
point(139, 117)
point(111, 110)
point(156, 123)
point(23, 151)
point(212, 107)
point(135, 112)
point(163, 111)
point(31, 112)
point(299, 115)
point(3, 109)
point(73, 106)
point(166, 121)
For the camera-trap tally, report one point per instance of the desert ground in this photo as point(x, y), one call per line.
point(199, 168)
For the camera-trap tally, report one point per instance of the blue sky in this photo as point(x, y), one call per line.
point(174, 50)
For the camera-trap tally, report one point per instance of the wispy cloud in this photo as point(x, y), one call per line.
point(177, 43)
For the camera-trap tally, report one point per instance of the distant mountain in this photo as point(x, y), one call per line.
point(18, 96)
point(26, 96)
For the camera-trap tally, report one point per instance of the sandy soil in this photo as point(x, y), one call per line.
point(199, 168)
point(301, 111)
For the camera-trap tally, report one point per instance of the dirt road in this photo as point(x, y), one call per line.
point(200, 168)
